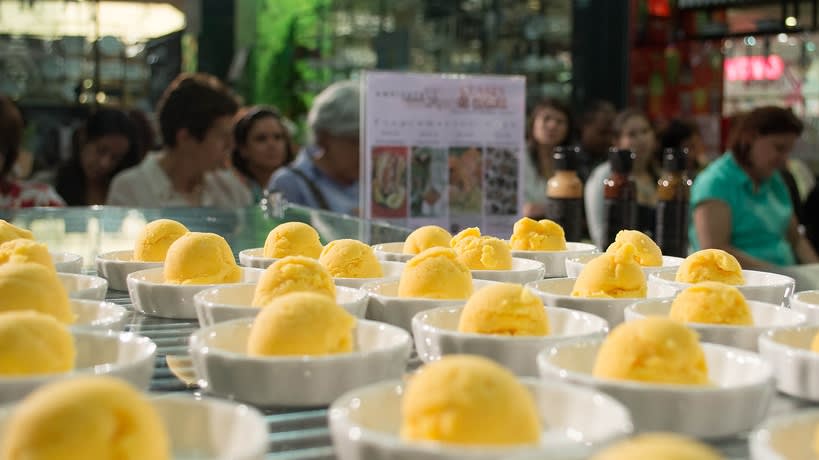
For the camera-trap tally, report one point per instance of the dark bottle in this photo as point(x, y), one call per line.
point(564, 193)
point(620, 196)
point(673, 191)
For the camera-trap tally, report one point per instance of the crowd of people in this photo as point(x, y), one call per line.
point(752, 201)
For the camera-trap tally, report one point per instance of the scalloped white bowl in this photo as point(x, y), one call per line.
point(767, 316)
point(224, 368)
point(556, 292)
point(738, 399)
point(233, 302)
point(365, 423)
point(115, 266)
point(436, 334)
point(152, 296)
point(118, 354)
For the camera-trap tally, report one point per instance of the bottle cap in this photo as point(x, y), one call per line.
point(565, 158)
point(675, 160)
point(621, 160)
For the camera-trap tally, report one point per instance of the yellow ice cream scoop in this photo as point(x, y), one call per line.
point(292, 239)
point(653, 349)
point(469, 232)
point(34, 343)
point(464, 399)
point(23, 250)
point(646, 251)
point(10, 232)
point(713, 303)
point(710, 265)
point(153, 241)
point(201, 258)
point(504, 309)
point(436, 274)
point(293, 274)
point(816, 441)
point(426, 237)
point(658, 446)
point(814, 345)
point(537, 235)
point(350, 259)
point(30, 286)
point(89, 418)
point(484, 253)
point(615, 275)
point(301, 323)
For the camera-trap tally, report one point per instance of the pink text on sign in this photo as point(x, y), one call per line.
point(747, 68)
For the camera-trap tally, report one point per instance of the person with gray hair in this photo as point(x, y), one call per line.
point(325, 174)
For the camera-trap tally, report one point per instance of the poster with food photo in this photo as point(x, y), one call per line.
point(389, 181)
point(429, 179)
point(465, 180)
point(501, 181)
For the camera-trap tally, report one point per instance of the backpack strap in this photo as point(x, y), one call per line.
point(314, 190)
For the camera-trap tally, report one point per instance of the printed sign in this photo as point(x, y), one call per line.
point(443, 149)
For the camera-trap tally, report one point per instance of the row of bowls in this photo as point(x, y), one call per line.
point(353, 411)
point(365, 420)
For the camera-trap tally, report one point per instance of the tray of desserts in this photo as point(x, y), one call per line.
point(529, 347)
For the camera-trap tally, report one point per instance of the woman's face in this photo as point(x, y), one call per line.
point(266, 146)
point(638, 137)
point(770, 153)
point(550, 127)
point(100, 157)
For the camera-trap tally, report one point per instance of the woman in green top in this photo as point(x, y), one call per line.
point(741, 204)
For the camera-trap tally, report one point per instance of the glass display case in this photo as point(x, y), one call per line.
point(294, 433)
point(95, 230)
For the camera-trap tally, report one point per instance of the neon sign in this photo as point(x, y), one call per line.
point(752, 68)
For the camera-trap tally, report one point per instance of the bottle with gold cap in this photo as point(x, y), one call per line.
point(619, 195)
point(564, 194)
point(673, 190)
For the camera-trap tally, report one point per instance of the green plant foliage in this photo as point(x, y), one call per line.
point(288, 41)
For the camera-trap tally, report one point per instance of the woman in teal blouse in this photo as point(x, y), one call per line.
point(741, 204)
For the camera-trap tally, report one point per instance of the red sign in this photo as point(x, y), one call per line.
point(748, 68)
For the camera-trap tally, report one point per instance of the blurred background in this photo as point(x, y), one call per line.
point(701, 59)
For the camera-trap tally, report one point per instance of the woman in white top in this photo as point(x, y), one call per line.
point(632, 131)
point(550, 126)
point(196, 120)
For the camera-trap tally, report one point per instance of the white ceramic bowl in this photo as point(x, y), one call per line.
point(365, 424)
point(152, 296)
point(555, 261)
point(385, 305)
point(95, 314)
point(392, 270)
point(233, 302)
point(767, 316)
point(575, 265)
point(436, 334)
point(86, 287)
point(523, 271)
point(762, 286)
point(223, 367)
point(204, 428)
point(118, 354)
point(557, 293)
point(807, 302)
point(738, 400)
point(786, 437)
point(117, 265)
point(66, 262)
point(392, 252)
point(795, 366)
point(255, 258)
